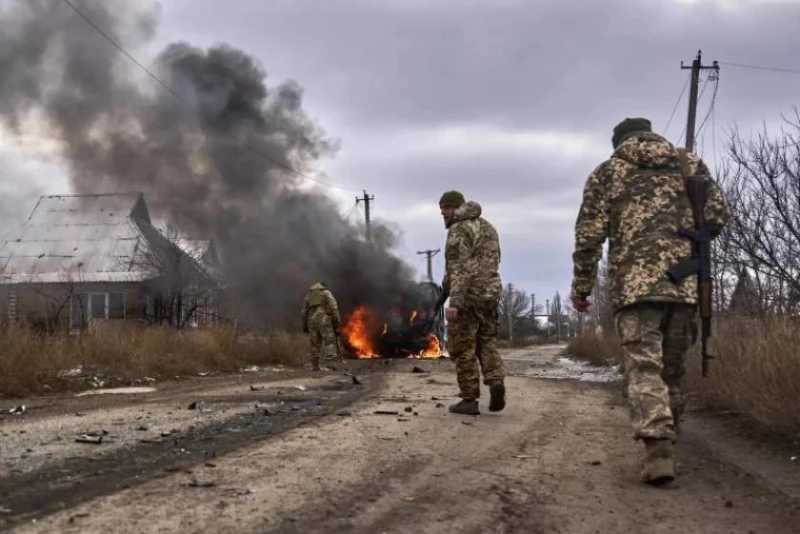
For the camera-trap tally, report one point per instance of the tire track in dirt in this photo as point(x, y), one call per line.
point(71, 481)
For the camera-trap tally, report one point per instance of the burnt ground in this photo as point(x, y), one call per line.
point(385, 456)
point(26, 495)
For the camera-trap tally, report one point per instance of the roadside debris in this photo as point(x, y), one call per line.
point(91, 437)
point(355, 379)
point(117, 391)
point(194, 483)
point(301, 388)
point(255, 388)
point(18, 410)
point(386, 412)
point(418, 369)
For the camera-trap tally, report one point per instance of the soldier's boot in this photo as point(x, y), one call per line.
point(659, 463)
point(497, 392)
point(315, 363)
point(466, 407)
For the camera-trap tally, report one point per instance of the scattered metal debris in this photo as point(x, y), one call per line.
point(418, 369)
point(18, 410)
point(194, 483)
point(91, 437)
point(386, 412)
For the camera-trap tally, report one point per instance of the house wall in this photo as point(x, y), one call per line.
point(53, 306)
point(62, 306)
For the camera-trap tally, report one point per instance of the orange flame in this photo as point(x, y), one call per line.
point(357, 330)
point(433, 350)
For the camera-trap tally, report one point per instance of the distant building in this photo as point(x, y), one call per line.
point(80, 259)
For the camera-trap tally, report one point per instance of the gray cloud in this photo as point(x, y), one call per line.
point(383, 75)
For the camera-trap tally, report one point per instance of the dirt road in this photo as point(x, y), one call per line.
point(559, 459)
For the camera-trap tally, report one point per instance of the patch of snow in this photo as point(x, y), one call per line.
point(564, 368)
point(117, 391)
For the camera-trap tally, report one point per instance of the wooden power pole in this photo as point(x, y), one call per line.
point(366, 199)
point(429, 256)
point(697, 66)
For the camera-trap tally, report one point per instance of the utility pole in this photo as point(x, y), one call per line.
point(366, 199)
point(548, 317)
point(429, 256)
point(697, 66)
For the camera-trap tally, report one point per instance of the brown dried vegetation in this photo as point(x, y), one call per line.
point(35, 363)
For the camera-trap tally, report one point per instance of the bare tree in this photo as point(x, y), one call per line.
point(762, 185)
point(182, 281)
point(602, 311)
point(512, 308)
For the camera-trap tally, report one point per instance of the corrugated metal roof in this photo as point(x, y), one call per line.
point(80, 238)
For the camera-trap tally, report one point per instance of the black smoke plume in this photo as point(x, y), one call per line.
point(211, 162)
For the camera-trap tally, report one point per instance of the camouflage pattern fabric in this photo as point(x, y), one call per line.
point(320, 318)
point(655, 337)
point(472, 256)
point(473, 347)
point(322, 336)
point(636, 199)
point(472, 260)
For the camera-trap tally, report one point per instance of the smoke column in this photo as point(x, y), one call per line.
point(200, 162)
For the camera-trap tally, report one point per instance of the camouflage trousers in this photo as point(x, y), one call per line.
point(472, 343)
point(324, 344)
point(655, 338)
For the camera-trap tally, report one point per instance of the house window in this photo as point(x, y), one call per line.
point(116, 305)
point(97, 305)
point(106, 305)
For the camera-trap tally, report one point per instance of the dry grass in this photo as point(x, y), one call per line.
point(30, 363)
point(596, 349)
point(755, 372)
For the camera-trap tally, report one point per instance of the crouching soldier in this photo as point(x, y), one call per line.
point(320, 317)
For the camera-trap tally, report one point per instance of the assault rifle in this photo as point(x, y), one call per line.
point(437, 309)
point(700, 262)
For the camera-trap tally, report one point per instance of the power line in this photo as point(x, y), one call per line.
point(759, 67)
point(710, 107)
point(678, 103)
point(179, 97)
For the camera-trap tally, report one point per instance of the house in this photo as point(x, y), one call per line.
point(80, 259)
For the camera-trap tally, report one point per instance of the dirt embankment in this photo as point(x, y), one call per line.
point(559, 459)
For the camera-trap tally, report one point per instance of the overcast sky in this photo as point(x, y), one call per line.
point(511, 102)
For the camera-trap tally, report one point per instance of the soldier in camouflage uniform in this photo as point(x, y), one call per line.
point(636, 200)
point(472, 281)
point(320, 317)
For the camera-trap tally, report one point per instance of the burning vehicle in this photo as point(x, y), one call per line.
point(410, 327)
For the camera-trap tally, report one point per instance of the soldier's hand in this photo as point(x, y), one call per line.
point(451, 314)
point(580, 304)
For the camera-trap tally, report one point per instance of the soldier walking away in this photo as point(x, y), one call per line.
point(320, 317)
point(636, 199)
point(472, 281)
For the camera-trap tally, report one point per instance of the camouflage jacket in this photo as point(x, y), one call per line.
point(636, 200)
point(319, 296)
point(472, 258)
